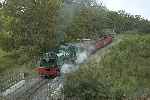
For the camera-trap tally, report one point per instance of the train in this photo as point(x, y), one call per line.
point(104, 41)
point(51, 61)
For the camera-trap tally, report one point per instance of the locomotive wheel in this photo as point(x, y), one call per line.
point(43, 76)
point(47, 77)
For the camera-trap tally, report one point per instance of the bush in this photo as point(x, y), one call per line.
point(122, 73)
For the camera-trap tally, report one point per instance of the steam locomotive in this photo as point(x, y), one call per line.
point(51, 62)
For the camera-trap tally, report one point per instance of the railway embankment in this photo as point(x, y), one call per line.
point(120, 71)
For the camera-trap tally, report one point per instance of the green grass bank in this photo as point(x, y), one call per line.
point(122, 73)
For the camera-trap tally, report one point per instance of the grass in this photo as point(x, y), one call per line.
point(9, 62)
point(122, 73)
point(2, 53)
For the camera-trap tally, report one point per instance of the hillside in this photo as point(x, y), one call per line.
point(123, 72)
point(25, 35)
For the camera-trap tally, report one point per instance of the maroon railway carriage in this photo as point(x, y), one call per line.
point(106, 40)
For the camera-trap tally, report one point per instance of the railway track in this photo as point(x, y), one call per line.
point(32, 91)
point(27, 94)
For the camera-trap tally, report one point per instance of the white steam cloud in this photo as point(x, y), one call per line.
point(81, 58)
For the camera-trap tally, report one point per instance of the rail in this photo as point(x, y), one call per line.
point(27, 94)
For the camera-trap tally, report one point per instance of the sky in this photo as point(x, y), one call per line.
point(135, 7)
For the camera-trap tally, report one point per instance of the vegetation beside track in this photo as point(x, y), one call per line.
point(9, 63)
point(122, 73)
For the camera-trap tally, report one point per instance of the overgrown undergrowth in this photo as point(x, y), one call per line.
point(122, 73)
point(15, 62)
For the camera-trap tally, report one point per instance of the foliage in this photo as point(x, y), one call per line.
point(121, 22)
point(122, 73)
point(27, 29)
point(61, 21)
point(88, 24)
point(34, 26)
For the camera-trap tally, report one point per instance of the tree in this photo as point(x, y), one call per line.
point(34, 22)
point(0, 5)
point(89, 23)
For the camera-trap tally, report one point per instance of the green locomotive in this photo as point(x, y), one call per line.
point(51, 62)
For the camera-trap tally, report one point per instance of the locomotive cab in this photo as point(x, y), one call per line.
point(48, 65)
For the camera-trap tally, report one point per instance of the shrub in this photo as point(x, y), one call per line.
point(122, 73)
